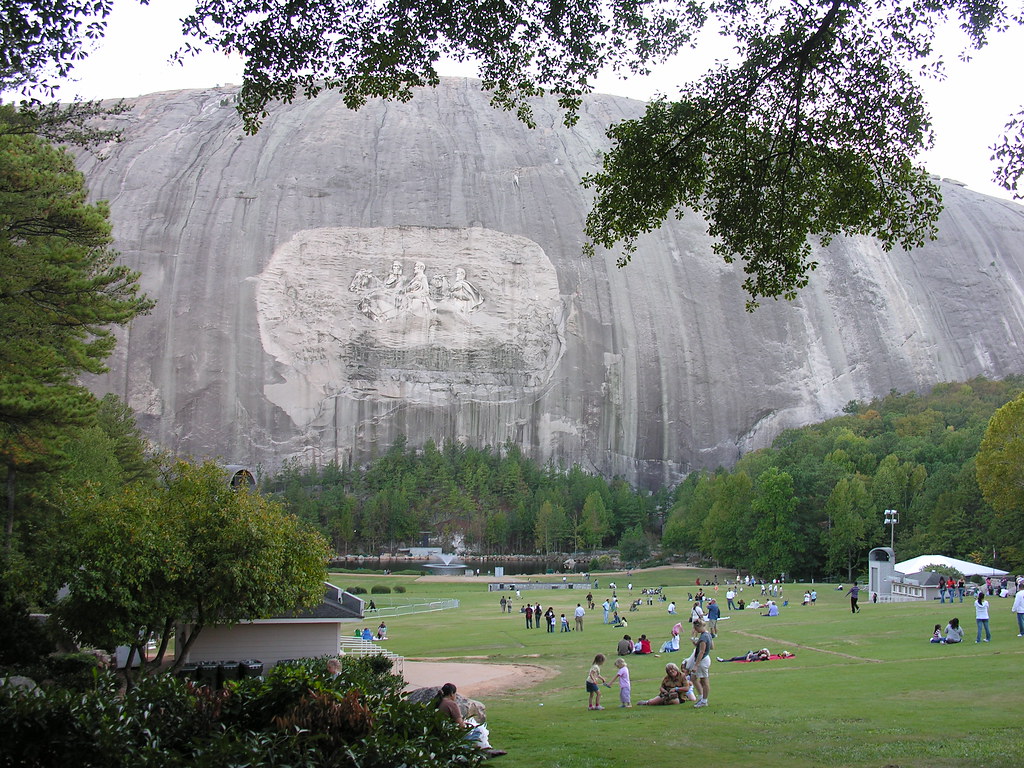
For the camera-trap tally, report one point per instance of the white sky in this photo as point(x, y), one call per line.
point(968, 109)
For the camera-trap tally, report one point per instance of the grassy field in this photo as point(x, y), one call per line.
point(863, 690)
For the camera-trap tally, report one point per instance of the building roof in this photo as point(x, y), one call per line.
point(922, 578)
point(337, 604)
point(967, 568)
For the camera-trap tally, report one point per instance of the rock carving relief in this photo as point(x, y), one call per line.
point(388, 298)
point(410, 314)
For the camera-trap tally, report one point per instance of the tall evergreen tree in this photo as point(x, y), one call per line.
point(61, 290)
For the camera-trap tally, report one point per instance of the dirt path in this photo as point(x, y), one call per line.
point(475, 680)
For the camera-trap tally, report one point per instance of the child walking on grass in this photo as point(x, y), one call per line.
point(624, 688)
point(593, 679)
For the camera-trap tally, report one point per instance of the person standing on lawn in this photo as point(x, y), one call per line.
point(594, 680)
point(702, 662)
point(580, 613)
point(625, 689)
point(714, 612)
point(1018, 608)
point(981, 616)
point(854, 593)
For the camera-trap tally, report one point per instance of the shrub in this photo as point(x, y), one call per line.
point(356, 590)
point(380, 589)
point(72, 670)
point(22, 640)
point(294, 716)
point(399, 589)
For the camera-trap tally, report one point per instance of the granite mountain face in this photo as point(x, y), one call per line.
point(343, 278)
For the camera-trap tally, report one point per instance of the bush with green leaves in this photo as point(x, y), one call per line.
point(71, 670)
point(399, 589)
point(296, 716)
point(380, 589)
point(22, 639)
point(356, 590)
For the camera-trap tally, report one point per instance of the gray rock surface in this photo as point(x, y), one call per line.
point(294, 322)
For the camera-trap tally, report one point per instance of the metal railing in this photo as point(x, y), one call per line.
point(354, 646)
point(407, 608)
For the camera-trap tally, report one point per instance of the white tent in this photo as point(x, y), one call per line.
point(921, 563)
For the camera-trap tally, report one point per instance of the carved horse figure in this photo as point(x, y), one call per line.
point(377, 302)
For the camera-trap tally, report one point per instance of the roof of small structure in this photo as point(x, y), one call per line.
point(333, 606)
point(967, 568)
point(922, 578)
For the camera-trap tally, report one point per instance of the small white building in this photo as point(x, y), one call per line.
point(312, 633)
point(923, 585)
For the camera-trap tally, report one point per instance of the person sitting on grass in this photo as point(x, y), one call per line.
point(625, 646)
point(672, 644)
point(445, 703)
point(642, 646)
point(954, 632)
point(937, 635)
point(675, 688)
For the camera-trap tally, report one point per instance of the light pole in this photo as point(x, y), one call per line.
point(891, 518)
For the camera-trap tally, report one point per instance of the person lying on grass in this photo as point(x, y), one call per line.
point(762, 655)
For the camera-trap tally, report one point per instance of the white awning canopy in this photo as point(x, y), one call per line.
point(967, 568)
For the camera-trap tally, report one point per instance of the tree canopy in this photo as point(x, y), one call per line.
point(192, 550)
point(1000, 468)
point(816, 504)
point(40, 39)
point(807, 132)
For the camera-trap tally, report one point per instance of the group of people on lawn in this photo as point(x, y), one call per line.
point(954, 633)
point(681, 683)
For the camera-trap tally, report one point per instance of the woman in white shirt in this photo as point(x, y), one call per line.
point(981, 615)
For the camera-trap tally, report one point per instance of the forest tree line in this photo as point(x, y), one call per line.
point(811, 505)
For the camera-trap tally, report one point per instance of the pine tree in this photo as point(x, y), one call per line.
point(60, 292)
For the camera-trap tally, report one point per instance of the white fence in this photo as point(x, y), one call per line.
point(354, 646)
point(406, 608)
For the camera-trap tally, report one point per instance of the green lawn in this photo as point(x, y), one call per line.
point(863, 690)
